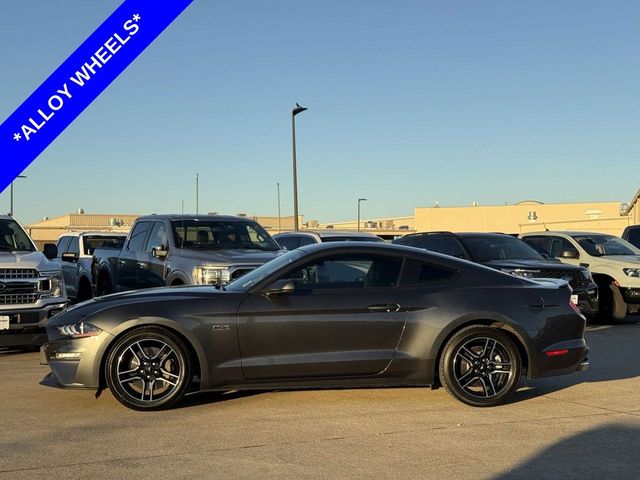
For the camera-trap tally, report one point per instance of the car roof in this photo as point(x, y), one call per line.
point(569, 233)
point(97, 234)
point(173, 217)
point(330, 233)
point(462, 234)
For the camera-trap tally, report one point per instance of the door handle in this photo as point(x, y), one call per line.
point(121, 262)
point(387, 307)
point(142, 265)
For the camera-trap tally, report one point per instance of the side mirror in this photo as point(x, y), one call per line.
point(280, 287)
point(570, 254)
point(50, 250)
point(159, 252)
point(69, 257)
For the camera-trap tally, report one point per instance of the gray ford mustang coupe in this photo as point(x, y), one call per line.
point(325, 315)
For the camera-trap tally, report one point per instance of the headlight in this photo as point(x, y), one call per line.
point(631, 272)
point(521, 272)
point(53, 285)
point(587, 274)
point(79, 330)
point(211, 275)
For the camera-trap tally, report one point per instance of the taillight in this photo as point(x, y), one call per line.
point(556, 353)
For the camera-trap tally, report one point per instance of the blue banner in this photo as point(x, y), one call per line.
point(80, 79)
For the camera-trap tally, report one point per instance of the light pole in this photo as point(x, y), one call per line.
point(360, 200)
point(197, 193)
point(279, 217)
point(11, 208)
point(298, 109)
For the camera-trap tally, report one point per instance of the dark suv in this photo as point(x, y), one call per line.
point(632, 235)
point(510, 255)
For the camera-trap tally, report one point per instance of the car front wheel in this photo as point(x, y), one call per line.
point(148, 369)
point(480, 366)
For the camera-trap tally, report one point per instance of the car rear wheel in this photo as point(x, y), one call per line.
point(480, 366)
point(148, 369)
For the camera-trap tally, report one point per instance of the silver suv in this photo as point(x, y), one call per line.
point(31, 287)
point(293, 240)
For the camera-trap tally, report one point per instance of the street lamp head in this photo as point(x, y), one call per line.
point(362, 199)
point(298, 109)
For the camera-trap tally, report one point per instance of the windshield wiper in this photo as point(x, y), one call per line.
point(4, 248)
point(257, 247)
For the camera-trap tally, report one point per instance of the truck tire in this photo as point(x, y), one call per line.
point(618, 305)
point(104, 285)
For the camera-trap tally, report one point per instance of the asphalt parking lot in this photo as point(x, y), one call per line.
point(585, 425)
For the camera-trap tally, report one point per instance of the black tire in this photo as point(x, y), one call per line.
point(148, 369)
point(84, 292)
point(480, 366)
point(104, 285)
point(611, 306)
point(618, 305)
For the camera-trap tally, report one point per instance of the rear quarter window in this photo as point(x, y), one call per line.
point(417, 272)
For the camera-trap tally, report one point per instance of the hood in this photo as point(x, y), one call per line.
point(623, 260)
point(96, 305)
point(231, 257)
point(530, 264)
point(35, 260)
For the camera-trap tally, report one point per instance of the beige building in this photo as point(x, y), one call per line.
point(527, 216)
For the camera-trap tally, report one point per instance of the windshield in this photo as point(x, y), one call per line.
point(92, 243)
point(254, 277)
point(217, 235)
point(598, 245)
point(13, 238)
point(494, 247)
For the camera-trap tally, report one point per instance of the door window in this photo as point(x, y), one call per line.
point(352, 271)
point(557, 245)
point(421, 273)
point(290, 242)
point(74, 246)
point(306, 241)
point(450, 246)
point(157, 237)
point(63, 245)
point(138, 236)
point(427, 242)
point(539, 244)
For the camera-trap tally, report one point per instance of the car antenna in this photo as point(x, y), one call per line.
point(184, 232)
point(545, 227)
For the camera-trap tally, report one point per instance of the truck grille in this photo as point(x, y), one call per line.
point(16, 273)
point(19, 298)
point(578, 280)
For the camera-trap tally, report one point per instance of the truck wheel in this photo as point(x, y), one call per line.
point(148, 369)
point(84, 293)
point(104, 285)
point(480, 366)
point(618, 305)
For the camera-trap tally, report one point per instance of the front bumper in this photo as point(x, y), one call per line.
point(631, 295)
point(588, 302)
point(74, 363)
point(27, 325)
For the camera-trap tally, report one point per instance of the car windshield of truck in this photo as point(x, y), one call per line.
point(256, 276)
point(218, 235)
point(13, 238)
point(599, 245)
point(92, 243)
point(489, 248)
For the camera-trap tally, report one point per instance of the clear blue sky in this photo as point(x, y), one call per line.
point(410, 102)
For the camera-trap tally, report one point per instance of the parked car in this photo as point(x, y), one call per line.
point(511, 255)
point(614, 262)
point(75, 257)
point(333, 315)
point(632, 235)
point(31, 287)
point(293, 240)
point(170, 250)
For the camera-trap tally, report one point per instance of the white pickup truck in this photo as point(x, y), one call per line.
point(614, 263)
point(31, 287)
point(75, 258)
